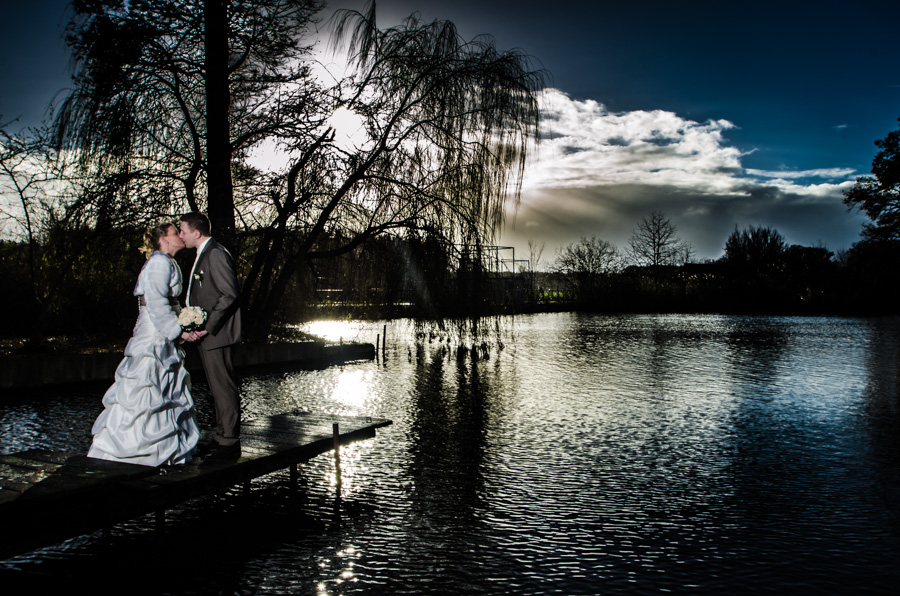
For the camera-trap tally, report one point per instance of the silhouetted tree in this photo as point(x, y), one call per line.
point(535, 253)
point(217, 86)
point(158, 112)
point(867, 281)
point(811, 277)
point(24, 174)
point(755, 248)
point(586, 264)
point(754, 261)
point(36, 212)
point(445, 124)
point(655, 243)
point(878, 196)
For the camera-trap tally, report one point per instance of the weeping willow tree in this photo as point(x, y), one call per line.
point(439, 134)
point(442, 130)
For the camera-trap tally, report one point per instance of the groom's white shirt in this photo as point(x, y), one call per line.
point(187, 297)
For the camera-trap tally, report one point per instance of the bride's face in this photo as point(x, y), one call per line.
point(171, 242)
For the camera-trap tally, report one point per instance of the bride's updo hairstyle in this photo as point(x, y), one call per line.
point(151, 239)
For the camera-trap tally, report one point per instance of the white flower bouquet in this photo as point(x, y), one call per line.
point(191, 318)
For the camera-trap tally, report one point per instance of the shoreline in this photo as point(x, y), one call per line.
point(49, 369)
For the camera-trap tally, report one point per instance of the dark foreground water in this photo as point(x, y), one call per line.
point(591, 455)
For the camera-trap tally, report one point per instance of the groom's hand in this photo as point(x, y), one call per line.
point(193, 335)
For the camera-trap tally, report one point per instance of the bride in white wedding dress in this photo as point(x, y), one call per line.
point(148, 415)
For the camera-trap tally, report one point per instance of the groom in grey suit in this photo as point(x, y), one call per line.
point(213, 286)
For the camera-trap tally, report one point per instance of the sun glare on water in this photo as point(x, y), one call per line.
point(332, 331)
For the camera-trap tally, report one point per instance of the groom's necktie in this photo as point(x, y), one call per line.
point(187, 297)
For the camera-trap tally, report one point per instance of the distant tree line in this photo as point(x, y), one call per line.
point(759, 273)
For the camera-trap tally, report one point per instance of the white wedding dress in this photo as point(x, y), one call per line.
point(148, 415)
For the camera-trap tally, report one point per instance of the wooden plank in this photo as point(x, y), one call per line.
point(285, 437)
point(26, 463)
point(314, 419)
point(18, 478)
point(36, 457)
point(83, 476)
point(200, 477)
point(7, 495)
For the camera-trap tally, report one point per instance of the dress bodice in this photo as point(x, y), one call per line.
point(160, 283)
point(160, 272)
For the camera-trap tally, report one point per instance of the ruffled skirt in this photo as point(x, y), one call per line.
point(148, 416)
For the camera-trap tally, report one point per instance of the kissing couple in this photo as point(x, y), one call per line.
point(148, 415)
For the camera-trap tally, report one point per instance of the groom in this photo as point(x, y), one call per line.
point(213, 287)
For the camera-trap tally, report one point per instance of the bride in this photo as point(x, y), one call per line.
point(148, 415)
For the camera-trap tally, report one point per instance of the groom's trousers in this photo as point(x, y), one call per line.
point(220, 378)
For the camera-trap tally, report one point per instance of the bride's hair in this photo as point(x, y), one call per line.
point(151, 238)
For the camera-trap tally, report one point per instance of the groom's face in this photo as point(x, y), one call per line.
point(188, 236)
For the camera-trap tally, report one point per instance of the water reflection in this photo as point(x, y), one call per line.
point(754, 347)
point(638, 454)
point(881, 414)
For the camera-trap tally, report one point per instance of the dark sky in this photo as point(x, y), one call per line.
point(718, 113)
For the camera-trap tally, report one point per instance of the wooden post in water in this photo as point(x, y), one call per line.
point(336, 432)
point(383, 342)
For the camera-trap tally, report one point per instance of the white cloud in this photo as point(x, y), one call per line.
point(818, 173)
point(596, 172)
point(584, 143)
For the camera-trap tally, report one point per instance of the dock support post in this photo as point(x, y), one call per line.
point(336, 431)
point(160, 521)
point(293, 476)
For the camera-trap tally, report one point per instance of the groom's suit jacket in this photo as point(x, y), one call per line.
point(214, 288)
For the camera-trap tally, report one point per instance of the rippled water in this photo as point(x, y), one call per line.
point(591, 455)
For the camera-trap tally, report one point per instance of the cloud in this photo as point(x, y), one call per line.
point(585, 143)
point(596, 172)
point(831, 173)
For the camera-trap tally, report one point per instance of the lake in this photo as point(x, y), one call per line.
point(583, 455)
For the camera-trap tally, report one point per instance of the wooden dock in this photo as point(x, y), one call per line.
point(47, 497)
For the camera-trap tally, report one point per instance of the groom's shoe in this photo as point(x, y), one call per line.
point(205, 447)
point(225, 452)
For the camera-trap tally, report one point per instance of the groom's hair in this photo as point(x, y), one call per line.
point(197, 222)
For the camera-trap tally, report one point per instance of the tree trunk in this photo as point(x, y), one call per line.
point(220, 205)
